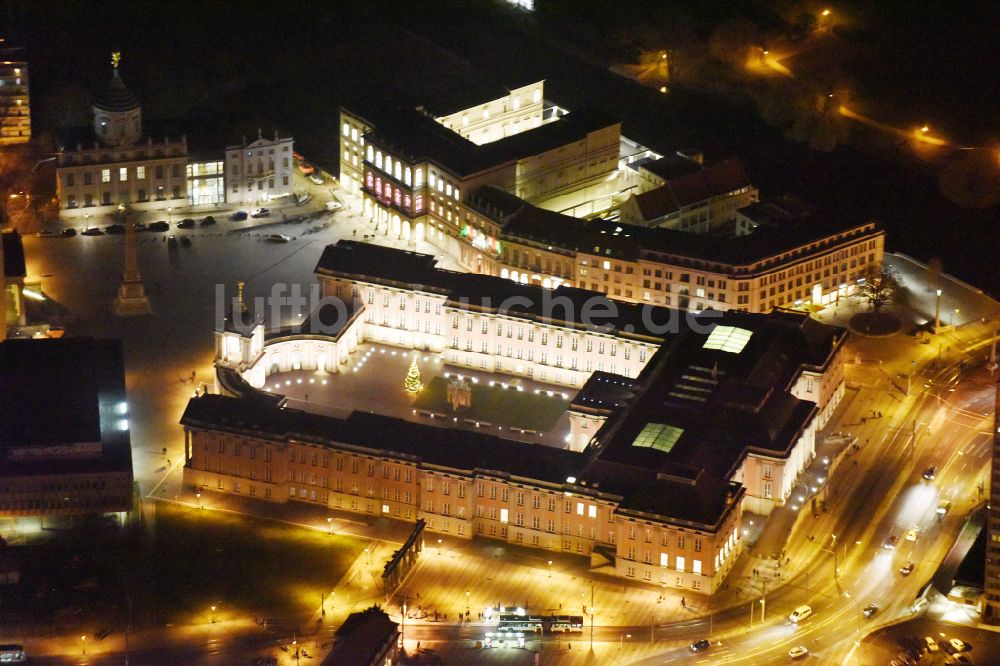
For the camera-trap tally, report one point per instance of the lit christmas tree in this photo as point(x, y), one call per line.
point(412, 382)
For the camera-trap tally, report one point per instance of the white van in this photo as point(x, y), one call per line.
point(799, 614)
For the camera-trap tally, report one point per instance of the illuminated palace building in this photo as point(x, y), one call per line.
point(117, 160)
point(499, 185)
point(673, 433)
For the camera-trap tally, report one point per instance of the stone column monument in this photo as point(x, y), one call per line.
point(131, 300)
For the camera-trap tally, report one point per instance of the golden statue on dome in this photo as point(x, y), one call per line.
point(116, 57)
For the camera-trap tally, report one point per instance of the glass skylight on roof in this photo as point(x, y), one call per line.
point(659, 436)
point(728, 339)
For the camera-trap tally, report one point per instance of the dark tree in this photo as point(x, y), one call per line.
point(881, 286)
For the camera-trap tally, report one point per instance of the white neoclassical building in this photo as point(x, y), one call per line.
point(259, 170)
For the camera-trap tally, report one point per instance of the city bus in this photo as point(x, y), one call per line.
point(520, 623)
point(565, 623)
point(500, 639)
point(12, 653)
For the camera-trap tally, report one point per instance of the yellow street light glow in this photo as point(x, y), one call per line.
point(925, 129)
point(826, 12)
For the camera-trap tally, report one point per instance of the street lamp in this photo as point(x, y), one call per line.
point(83, 644)
point(954, 312)
point(198, 495)
point(213, 614)
point(937, 312)
point(329, 525)
point(550, 568)
point(621, 644)
point(439, 546)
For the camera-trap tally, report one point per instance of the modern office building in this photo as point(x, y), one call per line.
point(15, 98)
point(64, 436)
point(681, 422)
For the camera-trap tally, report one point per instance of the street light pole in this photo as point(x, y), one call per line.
point(937, 312)
point(591, 617)
point(621, 644)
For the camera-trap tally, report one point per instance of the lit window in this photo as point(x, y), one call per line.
point(679, 565)
point(728, 339)
point(516, 102)
point(663, 559)
point(354, 134)
point(607, 265)
point(123, 174)
point(503, 515)
point(592, 511)
point(659, 436)
point(140, 173)
point(536, 96)
point(105, 175)
point(696, 566)
point(579, 508)
point(347, 129)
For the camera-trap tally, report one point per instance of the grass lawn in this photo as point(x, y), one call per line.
point(502, 407)
point(242, 565)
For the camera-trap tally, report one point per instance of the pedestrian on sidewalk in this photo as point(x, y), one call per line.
point(683, 602)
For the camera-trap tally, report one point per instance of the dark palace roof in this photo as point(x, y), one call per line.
point(361, 638)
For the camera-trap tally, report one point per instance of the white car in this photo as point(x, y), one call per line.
point(260, 212)
point(316, 178)
point(959, 644)
point(278, 238)
point(334, 205)
point(799, 614)
point(798, 651)
point(911, 534)
point(932, 645)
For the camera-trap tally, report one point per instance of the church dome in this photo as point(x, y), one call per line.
point(116, 97)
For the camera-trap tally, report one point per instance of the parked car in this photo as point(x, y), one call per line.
point(297, 155)
point(943, 507)
point(930, 473)
point(906, 569)
point(50, 233)
point(306, 168)
point(304, 198)
point(139, 226)
point(911, 534)
point(334, 205)
point(208, 220)
point(961, 659)
point(931, 644)
point(278, 238)
point(798, 652)
point(186, 241)
point(69, 233)
point(869, 611)
point(159, 226)
point(799, 614)
point(959, 644)
point(115, 229)
point(92, 231)
point(238, 216)
point(700, 646)
point(891, 542)
point(172, 242)
point(186, 223)
point(316, 178)
point(260, 212)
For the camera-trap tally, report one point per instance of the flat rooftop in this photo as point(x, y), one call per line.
point(419, 138)
point(57, 393)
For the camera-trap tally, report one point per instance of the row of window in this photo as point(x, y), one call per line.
point(138, 173)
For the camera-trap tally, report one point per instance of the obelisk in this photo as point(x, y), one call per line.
point(131, 300)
